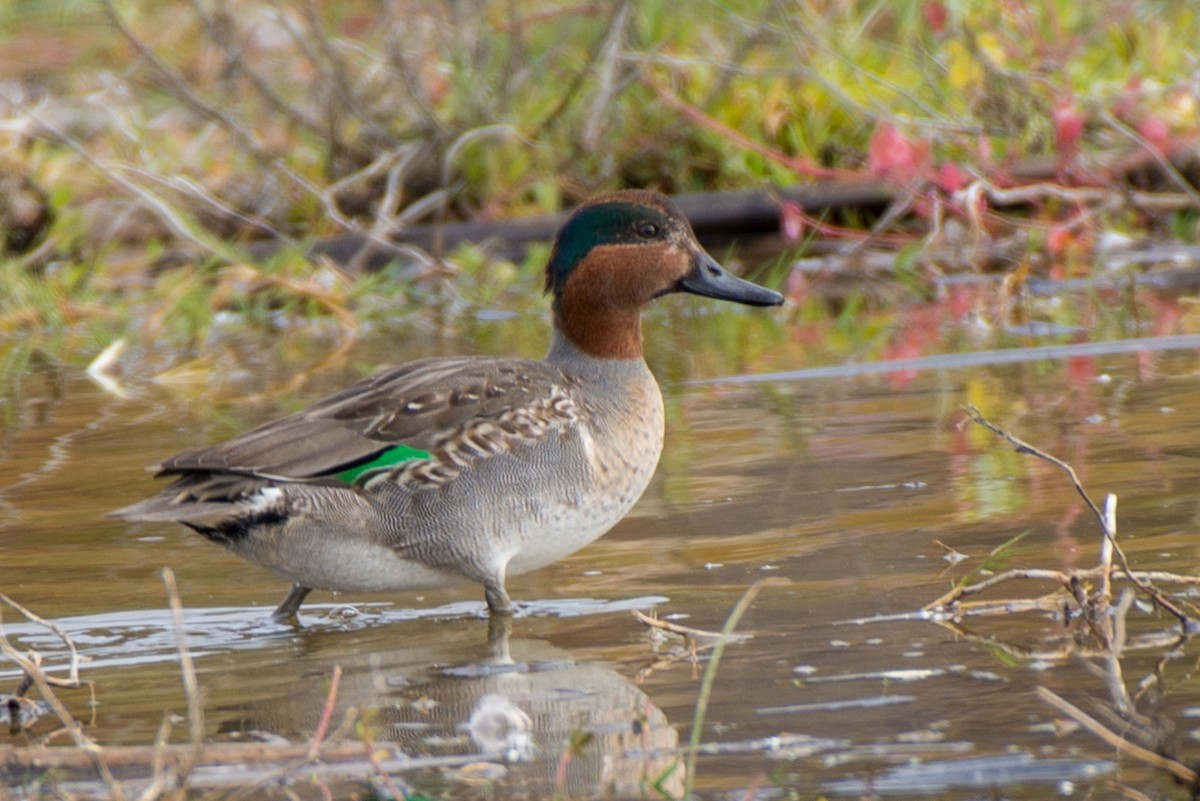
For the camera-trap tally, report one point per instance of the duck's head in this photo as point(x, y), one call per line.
point(619, 251)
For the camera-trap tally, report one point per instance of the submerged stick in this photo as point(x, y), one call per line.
point(1177, 769)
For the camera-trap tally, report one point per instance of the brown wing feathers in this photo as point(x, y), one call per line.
point(411, 405)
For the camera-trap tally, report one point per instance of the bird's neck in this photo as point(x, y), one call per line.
point(599, 332)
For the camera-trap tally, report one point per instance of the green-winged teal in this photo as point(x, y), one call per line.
point(466, 468)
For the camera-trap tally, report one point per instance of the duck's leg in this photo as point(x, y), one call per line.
point(290, 605)
point(497, 598)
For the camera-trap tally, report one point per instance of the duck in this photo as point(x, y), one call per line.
point(461, 469)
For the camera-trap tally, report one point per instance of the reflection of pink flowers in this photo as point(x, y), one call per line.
point(1166, 312)
point(919, 335)
point(1081, 370)
point(960, 300)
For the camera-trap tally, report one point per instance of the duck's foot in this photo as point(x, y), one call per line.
point(497, 600)
point(290, 605)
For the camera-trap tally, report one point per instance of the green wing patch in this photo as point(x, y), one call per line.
point(389, 458)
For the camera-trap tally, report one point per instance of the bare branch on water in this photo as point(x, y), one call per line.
point(1107, 526)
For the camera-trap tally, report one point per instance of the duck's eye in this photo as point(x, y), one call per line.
point(647, 230)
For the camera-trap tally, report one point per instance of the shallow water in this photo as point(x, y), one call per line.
point(847, 487)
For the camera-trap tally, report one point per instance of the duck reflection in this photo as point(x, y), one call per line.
point(561, 727)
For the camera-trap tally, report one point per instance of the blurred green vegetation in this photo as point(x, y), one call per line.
point(149, 126)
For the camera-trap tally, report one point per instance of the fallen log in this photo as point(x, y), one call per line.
point(719, 218)
point(726, 217)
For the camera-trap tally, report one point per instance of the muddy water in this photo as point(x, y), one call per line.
point(847, 489)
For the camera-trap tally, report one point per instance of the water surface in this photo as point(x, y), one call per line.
point(849, 488)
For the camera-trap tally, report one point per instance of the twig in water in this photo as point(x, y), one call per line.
point(72, 681)
point(961, 590)
point(1101, 619)
point(158, 782)
point(1109, 533)
point(326, 713)
point(380, 772)
point(186, 666)
point(1177, 769)
point(31, 666)
point(683, 631)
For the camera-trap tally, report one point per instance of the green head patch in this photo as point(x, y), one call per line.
point(625, 218)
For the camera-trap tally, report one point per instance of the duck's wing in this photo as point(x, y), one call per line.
point(401, 413)
point(414, 405)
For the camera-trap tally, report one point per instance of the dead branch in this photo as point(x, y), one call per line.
point(187, 670)
point(1021, 446)
point(1175, 768)
point(1106, 619)
point(675, 628)
point(31, 665)
point(963, 590)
